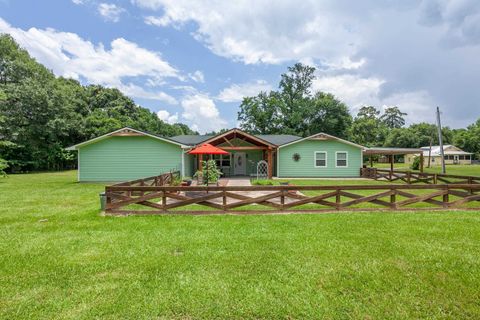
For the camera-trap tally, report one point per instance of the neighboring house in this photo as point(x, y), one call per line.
point(453, 155)
point(127, 154)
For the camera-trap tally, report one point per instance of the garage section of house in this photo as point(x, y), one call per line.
point(127, 154)
point(320, 155)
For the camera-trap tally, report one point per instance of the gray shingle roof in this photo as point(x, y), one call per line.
point(277, 139)
point(190, 140)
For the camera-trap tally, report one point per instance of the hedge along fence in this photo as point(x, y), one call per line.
point(416, 177)
point(129, 199)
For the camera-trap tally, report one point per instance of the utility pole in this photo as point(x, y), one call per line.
point(429, 152)
point(440, 141)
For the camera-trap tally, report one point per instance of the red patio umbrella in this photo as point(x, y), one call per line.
point(207, 148)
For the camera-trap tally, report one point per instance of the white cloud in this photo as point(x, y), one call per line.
point(67, 54)
point(157, 21)
point(226, 28)
point(110, 11)
point(237, 92)
point(166, 116)
point(78, 1)
point(357, 92)
point(201, 113)
point(138, 92)
point(197, 76)
point(351, 89)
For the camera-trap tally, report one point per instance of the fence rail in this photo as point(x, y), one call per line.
point(152, 199)
point(416, 177)
point(160, 180)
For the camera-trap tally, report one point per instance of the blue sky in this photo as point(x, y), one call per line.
point(192, 61)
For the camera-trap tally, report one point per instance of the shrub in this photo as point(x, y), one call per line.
point(3, 166)
point(262, 182)
point(213, 172)
point(415, 164)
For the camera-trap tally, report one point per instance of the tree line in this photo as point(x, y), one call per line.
point(296, 109)
point(41, 114)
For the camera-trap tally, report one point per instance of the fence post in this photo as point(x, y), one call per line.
point(445, 198)
point(164, 200)
point(375, 173)
point(224, 202)
point(282, 199)
point(435, 178)
point(409, 177)
point(337, 200)
point(393, 199)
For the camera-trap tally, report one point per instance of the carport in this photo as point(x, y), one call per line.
point(390, 152)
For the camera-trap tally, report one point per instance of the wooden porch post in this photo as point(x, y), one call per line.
point(421, 162)
point(270, 163)
point(200, 159)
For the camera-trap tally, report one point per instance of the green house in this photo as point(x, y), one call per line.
point(127, 154)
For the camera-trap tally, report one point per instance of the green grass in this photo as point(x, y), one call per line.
point(80, 265)
point(466, 170)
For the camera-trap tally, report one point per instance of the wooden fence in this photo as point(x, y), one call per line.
point(416, 177)
point(160, 180)
point(152, 199)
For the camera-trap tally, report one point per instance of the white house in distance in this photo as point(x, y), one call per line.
point(453, 155)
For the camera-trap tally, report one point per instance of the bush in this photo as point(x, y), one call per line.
point(415, 164)
point(3, 166)
point(213, 172)
point(262, 182)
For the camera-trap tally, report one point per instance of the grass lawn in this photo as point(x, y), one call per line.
point(60, 259)
point(466, 170)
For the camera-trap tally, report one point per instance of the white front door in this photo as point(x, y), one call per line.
point(240, 163)
point(455, 159)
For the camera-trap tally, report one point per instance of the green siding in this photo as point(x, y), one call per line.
point(305, 167)
point(127, 158)
point(189, 165)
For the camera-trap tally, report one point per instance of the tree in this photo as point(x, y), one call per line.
point(392, 117)
point(368, 112)
point(294, 108)
point(367, 129)
point(41, 114)
point(261, 114)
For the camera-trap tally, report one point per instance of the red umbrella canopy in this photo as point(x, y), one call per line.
point(207, 148)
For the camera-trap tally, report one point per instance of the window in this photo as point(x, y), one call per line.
point(467, 157)
point(320, 159)
point(461, 157)
point(222, 160)
point(341, 159)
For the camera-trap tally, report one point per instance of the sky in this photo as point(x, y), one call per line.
point(193, 61)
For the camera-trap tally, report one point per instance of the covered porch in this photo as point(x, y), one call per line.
point(245, 151)
point(390, 153)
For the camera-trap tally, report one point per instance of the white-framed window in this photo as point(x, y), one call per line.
point(320, 159)
point(341, 159)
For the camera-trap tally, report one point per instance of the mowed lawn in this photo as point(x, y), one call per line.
point(466, 170)
point(61, 260)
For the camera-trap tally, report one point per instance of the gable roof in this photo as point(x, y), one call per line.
point(325, 135)
point(108, 135)
point(247, 136)
point(274, 139)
